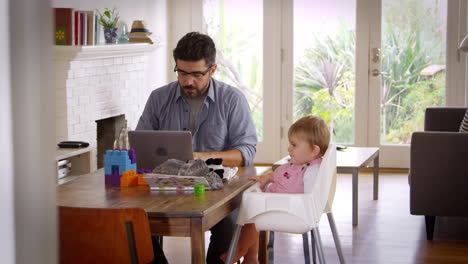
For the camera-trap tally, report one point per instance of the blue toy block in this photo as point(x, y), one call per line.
point(116, 162)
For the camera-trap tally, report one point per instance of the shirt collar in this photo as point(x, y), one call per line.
point(211, 88)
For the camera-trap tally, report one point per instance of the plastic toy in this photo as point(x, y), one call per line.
point(116, 162)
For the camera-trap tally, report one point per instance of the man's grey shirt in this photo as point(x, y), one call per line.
point(225, 120)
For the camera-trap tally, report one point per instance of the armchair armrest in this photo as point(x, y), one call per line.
point(439, 173)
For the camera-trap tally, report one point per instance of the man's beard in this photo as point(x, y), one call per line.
point(190, 91)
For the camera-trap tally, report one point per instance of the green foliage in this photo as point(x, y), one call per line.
point(108, 18)
point(324, 82)
point(406, 51)
point(413, 39)
point(337, 109)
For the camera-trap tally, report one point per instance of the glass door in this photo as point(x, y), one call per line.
point(370, 68)
point(406, 75)
point(237, 32)
point(245, 56)
point(324, 64)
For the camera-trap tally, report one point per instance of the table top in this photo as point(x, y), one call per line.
point(90, 191)
point(351, 157)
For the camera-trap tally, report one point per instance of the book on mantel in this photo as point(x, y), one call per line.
point(75, 27)
point(63, 26)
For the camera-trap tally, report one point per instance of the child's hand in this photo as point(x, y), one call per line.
point(262, 179)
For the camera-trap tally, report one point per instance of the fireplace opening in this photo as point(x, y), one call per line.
point(108, 130)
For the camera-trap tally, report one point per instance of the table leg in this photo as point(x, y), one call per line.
point(197, 241)
point(262, 247)
point(376, 177)
point(355, 197)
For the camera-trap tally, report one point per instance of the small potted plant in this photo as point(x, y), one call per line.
point(108, 19)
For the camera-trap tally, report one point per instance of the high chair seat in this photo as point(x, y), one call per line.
point(291, 213)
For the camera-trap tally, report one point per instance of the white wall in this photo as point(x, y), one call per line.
point(184, 16)
point(33, 131)
point(7, 226)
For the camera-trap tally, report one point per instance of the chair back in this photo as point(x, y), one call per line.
point(95, 235)
point(323, 185)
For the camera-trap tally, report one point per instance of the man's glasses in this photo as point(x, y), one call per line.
point(197, 75)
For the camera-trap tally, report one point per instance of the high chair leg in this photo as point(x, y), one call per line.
point(271, 242)
point(233, 245)
point(318, 240)
point(305, 245)
point(314, 250)
point(331, 220)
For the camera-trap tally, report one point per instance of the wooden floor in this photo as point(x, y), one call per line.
point(386, 233)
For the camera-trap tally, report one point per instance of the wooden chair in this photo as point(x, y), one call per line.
point(94, 235)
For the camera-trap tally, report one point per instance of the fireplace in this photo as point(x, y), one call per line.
point(105, 83)
point(107, 131)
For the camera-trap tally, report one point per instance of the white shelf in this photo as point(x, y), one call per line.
point(64, 153)
point(69, 53)
point(79, 158)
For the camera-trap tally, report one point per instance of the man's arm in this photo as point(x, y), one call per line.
point(242, 133)
point(231, 158)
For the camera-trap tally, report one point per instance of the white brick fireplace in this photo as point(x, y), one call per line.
point(98, 82)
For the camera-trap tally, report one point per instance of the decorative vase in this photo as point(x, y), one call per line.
point(121, 142)
point(123, 39)
point(110, 35)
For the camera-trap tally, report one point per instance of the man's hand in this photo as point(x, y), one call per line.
point(262, 179)
point(231, 158)
point(200, 155)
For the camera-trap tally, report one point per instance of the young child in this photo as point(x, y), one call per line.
point(308, 141)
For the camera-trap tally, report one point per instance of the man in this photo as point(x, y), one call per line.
point(216, 113)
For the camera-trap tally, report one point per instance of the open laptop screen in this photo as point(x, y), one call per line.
point(153, 147)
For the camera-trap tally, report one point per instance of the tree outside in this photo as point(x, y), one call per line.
point(413, 43)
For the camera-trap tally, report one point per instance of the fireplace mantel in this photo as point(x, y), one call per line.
point(72, 53)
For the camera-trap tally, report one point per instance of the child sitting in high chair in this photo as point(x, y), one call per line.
point(308, 141)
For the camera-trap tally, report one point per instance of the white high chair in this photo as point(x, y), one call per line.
point(293, 213)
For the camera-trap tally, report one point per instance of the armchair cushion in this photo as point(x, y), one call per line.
point(443, 118)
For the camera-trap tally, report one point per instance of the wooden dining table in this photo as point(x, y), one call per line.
point(170, 213)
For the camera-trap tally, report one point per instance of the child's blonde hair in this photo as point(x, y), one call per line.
point(313, 130)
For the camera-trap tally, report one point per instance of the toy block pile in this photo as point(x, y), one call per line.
point(120, 168)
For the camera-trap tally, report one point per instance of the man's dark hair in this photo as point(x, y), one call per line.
point(194, 47)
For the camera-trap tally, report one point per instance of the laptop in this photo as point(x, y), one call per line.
point(153, 147)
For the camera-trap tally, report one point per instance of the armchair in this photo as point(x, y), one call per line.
point(439, 167)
